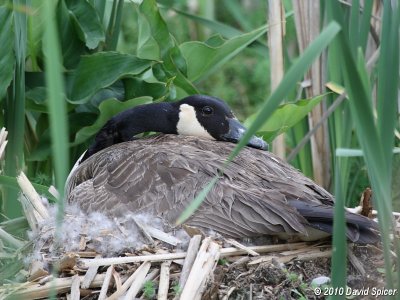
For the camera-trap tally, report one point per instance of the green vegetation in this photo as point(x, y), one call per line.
point(67, 66)
point(149, 290)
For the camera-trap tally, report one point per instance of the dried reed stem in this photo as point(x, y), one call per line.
point(192, 250)
point(106, 283)
point(205, 262)
point(164, 281)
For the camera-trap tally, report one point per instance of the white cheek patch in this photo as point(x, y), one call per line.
point(188, 123)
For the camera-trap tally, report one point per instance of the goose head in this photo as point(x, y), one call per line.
point(212, 118)
point(196, 115)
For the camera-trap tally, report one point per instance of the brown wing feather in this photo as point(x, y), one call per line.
point(162, 174)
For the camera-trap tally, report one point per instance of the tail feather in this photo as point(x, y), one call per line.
point(359, 229)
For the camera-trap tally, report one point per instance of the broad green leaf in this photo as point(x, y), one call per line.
point(203, 59)
point(36, 99)
point(114, 25)
point(222, 28)
point(43, 149)
point(72, 46)
point(174, 64)
point(100, 6)
point(285, 117)
point(108, 109)
point(87, 22)
point(6, 49)
point(101, 70)
point(35, 33)
point(136, 87)
point(158, 27)
point(147, 47)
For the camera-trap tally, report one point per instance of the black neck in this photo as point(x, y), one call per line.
point(157, 117)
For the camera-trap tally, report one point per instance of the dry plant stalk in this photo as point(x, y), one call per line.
point(160, 235)
point(60, 285)
point(275, 39)
point(34, 209)
point(192, 250)
point(242, 247)
point(172, 256)
point(3, 142)
point(106, 283)
point(144, 268)
point(164, 281)
point(139, 281)
point(89, 276)
point(75, 293)
point(306, 254)
point(203, 266)
point(307, 18)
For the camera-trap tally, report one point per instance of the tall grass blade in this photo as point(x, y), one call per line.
point(6, 51)
point(56, 104)
point(57, 112)
point(368, 136)
point(354, 20)
point(15, 107)
point(338, 264)
point(294, 74)
point(388, 72)
point(365, 24)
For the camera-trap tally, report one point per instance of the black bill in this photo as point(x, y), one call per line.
point(237, 131)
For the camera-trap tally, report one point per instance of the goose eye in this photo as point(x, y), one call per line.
point(207, 110)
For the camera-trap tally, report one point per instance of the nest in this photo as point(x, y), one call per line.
point(165, 267)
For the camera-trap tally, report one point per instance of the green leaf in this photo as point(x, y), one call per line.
point(114, 25)
point(136, 87)
point(35, 33)
point(101, 70)
point(158, 27)
point(108, 109)
point(203, 59)
point(174, 64)
point(6, 50)
point(15, 107)
point(72, 46)
point(388, 83)
point(222, 28)
point(147, 47)
point(36, 99)
point(235, 8)
point(285, 117)
point(87, 22)
point(56, 104)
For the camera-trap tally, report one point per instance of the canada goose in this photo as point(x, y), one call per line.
point(258, 194)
